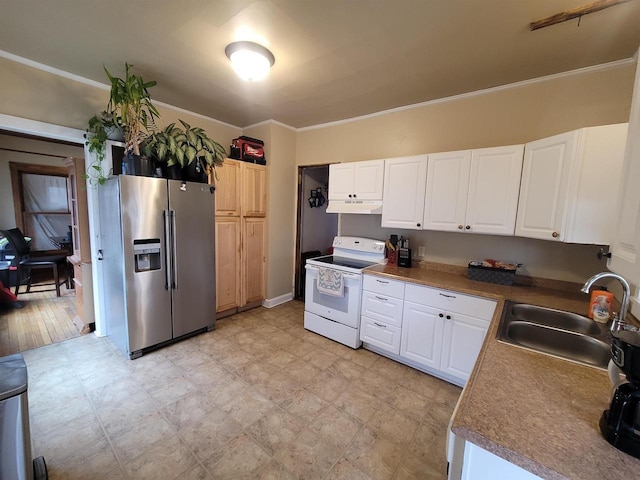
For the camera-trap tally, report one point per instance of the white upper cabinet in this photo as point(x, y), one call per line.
point(567, 184)
point(447, 187)
point(356, 180)
point(474, 190)
point(494, 185)
point(404, 188)
point(625, 247)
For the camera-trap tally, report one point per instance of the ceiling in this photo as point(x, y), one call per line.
point(335, 59)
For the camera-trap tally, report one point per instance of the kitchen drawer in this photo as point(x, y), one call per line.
point(451, 301)
point(384, 336)
point(391, 288)
point(382, 308)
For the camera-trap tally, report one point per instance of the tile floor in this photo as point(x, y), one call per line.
point(260, 397)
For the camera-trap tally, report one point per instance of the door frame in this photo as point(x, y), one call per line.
point(302, 199)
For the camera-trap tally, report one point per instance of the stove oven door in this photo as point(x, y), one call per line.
point(344, 309)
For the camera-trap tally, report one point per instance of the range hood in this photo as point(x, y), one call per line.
point(355, 206)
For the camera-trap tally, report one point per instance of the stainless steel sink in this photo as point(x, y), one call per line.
point(553, 332)
point(555, 318)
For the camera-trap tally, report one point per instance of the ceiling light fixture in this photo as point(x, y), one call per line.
point(249, 60)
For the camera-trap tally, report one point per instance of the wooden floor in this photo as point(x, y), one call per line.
point(43, 319)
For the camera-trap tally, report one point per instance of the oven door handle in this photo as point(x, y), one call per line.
point(313, 268)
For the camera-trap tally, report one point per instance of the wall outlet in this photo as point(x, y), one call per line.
point(421, 251)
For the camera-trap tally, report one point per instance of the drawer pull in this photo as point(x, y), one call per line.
point(379, 325)
point(448, 296)
point(381, 298)
point(381, 281)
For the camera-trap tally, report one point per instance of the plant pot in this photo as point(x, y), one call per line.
point(195, 172)
point(137, 165)
point(172, 172)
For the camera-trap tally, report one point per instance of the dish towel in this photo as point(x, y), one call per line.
point(330, 282)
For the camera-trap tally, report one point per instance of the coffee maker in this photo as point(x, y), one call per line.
point(620, 425)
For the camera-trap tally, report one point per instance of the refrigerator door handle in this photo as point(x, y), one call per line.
point(174, 269)
point(167, 251)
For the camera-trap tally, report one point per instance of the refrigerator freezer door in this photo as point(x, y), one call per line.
point(194, 294)
point(112, 284)
point(148, 302)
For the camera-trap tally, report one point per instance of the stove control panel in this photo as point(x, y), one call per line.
point(358, 244)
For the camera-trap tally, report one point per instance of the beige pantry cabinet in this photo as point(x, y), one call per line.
point(241, 202)
point(473, 191)
point(569, 185)
point(81, 258)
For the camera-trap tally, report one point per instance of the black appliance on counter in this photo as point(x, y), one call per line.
point(620, 425)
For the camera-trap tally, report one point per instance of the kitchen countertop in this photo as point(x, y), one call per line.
point(538, 412)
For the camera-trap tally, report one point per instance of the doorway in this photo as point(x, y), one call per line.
point(29, 166)
point(315, 228)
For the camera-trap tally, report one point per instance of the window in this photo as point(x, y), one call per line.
point(41, 202)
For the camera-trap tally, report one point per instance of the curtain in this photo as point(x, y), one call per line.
point(46, 208)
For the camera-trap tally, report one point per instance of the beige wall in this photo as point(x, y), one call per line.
point(280, 150)
point(24, 150)
point(38, 95)
point(503, 117)
point(506, 116)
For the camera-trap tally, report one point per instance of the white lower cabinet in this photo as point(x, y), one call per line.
point(461, 344)
point(470, 462)
point(440, 332)
point(422, 329)
point(380, 334)
point(381, 313)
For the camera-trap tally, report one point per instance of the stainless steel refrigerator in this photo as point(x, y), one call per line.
point(158, 260)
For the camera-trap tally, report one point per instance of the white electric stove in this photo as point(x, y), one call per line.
point(335, 313)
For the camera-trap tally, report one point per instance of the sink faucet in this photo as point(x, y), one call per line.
point(619, 323)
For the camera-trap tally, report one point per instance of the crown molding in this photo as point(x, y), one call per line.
point(272, 122)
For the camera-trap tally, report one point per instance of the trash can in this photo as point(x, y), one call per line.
point(15, 438)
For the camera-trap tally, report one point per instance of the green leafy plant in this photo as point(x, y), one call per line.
point(96, 135)
point(175, 145)
point(130, 101)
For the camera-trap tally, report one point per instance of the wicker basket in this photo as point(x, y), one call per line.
point(501, 276)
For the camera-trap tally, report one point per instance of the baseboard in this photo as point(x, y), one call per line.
point(273, 302)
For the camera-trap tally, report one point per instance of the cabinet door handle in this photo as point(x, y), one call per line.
point(441, 315)
point(460, 227)
point(555, 234)
point(382, 281)
point(468, 227)
point(448, 296)
point(350, 195)
point(418, 225)
point(381, 298)
point(354, 195)
point(448, 317)
point(379, 325)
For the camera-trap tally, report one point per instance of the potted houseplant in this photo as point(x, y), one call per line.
point(130, 101)
point(101, 128)
point(167, 147)
point(189, 148)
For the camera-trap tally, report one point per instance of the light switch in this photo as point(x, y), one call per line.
point(421, 251)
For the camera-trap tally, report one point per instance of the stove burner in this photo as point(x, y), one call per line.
point(344, 262)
